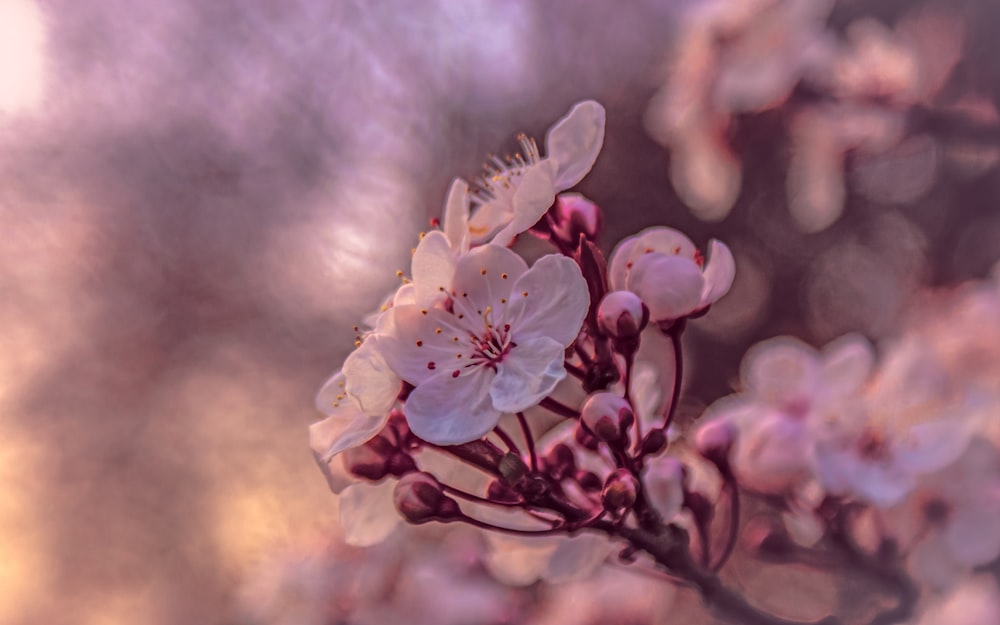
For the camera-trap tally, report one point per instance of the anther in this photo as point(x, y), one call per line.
point(420, 343)
point(503, 276)
point(431, 365)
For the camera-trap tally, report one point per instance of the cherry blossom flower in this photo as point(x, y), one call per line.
point(496, 347)
point(909, 423)
point(664, 268)
point(791, 392)
point(513, 195)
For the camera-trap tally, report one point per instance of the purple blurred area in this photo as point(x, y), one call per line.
point(198, 200)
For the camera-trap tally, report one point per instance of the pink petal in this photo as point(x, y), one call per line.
point(533, 197)
point(557, 300)
point(370, 380)
point(412, 346)
point(433, 266)
point(669, 285)
point(574, 142)
point(447, 410)
point(456, 215)
point(336, 433)
point(367, 513)
point(719, 273)
point(483, 278)
point(618, 266)
point(528, 373)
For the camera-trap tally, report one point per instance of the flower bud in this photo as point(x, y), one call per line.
point(654, 442)
point(607, 415)
point(371, 460)
point(714, 441)
point(622, 315)
point(589, 481)
point(620, 490)
point(420, 498)
point(559, 462)
point(573, 215)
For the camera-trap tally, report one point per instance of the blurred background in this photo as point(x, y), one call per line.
point(199, 200)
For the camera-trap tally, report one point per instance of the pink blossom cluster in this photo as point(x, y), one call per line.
point(537, 403)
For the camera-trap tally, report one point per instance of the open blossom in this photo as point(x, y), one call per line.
point(790, 392)
point(665, 269)
point(495, 346)
point(513, 195)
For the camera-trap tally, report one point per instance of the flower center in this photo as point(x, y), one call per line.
point(492, 344)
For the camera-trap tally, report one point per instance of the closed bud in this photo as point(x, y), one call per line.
point(622, 315)
point(607, 415)
point(620, 491)
point(498, 490)
point(559, 462)
point(420, 498)
point(589, 481)
point(371, 460)
point(574, 215)
point(654, 442)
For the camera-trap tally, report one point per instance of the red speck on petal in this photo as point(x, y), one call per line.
point(699, 258)
point(454, 373)
point(431, 365)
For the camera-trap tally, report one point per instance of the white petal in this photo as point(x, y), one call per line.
point(669, 285)
point(456, 215)
point(528, 374)
point(412, 346)
point(534, 195)
point(367, 513)
point(433, 266)
point(664, 240)
point(574, 142)
point(489, 218)
point(447, 410)
point(719, 273)
point(618, 266)
point(322, 437)
point(339, 432)
point(483, 278)
point(556, 303)
point(369, 380)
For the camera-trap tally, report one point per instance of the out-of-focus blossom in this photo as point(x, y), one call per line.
point(911, 422)
point(730, 57)
point(612, 595)
point(513, 195)
point(790, 392)
point(664, 268)
point(498, 349)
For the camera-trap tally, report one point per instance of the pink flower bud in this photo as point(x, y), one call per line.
point(620, 490)
point(559, 462)
point(607, 415)
point(622, 314)
point(420, 498)
point(371, 460)
point(573, 215)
